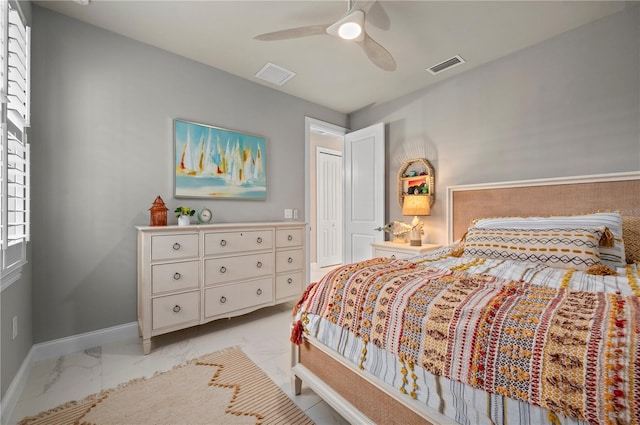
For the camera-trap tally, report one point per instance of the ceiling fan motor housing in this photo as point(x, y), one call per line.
point(353, 18)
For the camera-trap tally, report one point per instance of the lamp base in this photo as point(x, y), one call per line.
point(415, 238)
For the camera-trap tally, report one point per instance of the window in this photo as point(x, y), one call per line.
point(14, 149)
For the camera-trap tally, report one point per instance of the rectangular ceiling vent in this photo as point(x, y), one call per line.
point(449, 63)
point(275, 74)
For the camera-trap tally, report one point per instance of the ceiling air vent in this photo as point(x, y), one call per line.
point(275, 74)
point(449, 63)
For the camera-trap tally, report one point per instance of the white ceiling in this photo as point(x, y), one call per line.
point(329, 71)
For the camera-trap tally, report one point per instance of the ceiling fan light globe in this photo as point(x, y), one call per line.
point(349, 30)
point(352, 23)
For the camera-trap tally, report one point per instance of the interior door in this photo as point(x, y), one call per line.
point(329, 207)
point(364, 194)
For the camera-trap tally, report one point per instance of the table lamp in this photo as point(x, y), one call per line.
point(416, 205)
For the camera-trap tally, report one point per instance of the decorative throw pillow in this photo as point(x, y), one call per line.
point(631, 232)
point(571, 248)
point(609, 256)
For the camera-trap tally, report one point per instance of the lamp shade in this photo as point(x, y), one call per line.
point(416, 205)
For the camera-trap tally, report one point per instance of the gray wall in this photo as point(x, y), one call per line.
point(15, 301)
point(568, 106)
point(102, 151)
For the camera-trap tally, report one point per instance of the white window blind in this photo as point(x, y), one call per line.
point(14, 184)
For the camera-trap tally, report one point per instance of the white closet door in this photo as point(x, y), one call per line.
point(329, 207)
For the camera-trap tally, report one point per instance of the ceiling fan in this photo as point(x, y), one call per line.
point(348, 27)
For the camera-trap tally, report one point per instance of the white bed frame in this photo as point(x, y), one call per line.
point(347, 410)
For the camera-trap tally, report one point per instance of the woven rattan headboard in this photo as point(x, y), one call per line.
point(565, 196)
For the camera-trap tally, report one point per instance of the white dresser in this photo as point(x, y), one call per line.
point(190, 275)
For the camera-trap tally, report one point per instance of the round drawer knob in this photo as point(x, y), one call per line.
point(290, 260)
point(223, 243)
point(223, 269)
point(223, 300)
point(259, 240)
point(259, 292)
point(259, 264)
point(289, 281)
point(176, 276)
point(176, 309)
point(176, 246)
point(393, 257)
point(289, 238)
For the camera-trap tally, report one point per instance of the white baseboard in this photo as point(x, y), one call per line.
point(11, 397)
point(57, 348)
point(72, 344)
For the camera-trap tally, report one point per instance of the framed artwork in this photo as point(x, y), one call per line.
point(213, 162)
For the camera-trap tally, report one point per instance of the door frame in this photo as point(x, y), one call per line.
point(311, 124)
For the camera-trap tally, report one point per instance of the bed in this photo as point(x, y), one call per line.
point(529, 315)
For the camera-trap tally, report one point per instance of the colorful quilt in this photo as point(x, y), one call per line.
point(572, 352)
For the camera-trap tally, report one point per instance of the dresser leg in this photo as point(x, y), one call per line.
point(146, 345)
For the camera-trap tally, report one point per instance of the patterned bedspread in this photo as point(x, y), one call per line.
point(570, 351)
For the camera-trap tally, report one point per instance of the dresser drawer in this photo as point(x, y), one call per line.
point(174, 276)
point(289, 285)
point(288, 237)
point(227, 269)
point(392, 254)
point(174, 310)
point(288, 260)
point(230, 242)
point(173, 247)
point(227, 298)
point(400, 251)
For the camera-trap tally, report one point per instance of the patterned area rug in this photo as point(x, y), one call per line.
point(219, 388)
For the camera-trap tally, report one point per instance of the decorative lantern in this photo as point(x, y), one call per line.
point(158, 213)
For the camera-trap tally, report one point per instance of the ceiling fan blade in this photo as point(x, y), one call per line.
point(293, 33)
point(363, 5)
point(377, 16)
point(377, 54)
point(374, 12)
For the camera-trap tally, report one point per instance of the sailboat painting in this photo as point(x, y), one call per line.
point(213, 162)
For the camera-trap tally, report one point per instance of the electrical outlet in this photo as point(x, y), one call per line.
point(288, 213)
point(15, 327)
point(295, 213)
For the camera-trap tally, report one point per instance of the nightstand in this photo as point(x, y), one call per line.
point(399, 250)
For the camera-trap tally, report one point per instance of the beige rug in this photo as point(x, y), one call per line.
point(220, 388)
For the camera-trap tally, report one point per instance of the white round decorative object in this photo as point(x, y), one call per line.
point(205, 215)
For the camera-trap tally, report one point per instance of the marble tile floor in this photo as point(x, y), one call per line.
point(263, 335)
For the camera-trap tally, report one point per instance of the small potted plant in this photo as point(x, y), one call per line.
point(184, 214)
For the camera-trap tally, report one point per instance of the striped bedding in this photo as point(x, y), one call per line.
point(487, 341)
